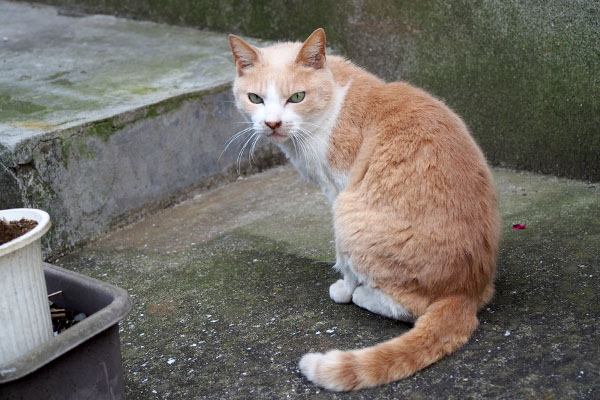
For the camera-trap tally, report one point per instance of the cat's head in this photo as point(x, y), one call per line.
point(283, 88)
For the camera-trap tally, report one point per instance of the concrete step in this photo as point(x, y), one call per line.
point(102, 118)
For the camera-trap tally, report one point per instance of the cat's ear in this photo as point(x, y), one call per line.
point(312, 53)
point(245, 55)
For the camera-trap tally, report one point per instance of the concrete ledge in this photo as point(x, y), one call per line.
point(102, 119)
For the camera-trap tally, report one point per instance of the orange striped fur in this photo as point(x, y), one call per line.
point(414, 203)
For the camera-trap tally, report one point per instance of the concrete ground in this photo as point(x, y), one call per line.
point(230, 288)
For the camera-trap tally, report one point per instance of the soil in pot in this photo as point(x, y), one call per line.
point(10, 230)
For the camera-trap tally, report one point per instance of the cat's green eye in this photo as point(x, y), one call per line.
point(256, 99)
point(296, 97)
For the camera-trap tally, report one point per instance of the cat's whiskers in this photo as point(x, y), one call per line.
point(239, 158)
point(234, 138)
point(313, 132)
point(308, 148)
point(309, 123)
point(293, 139)
point(313, 137)
point(252, 147)
point(303, 149)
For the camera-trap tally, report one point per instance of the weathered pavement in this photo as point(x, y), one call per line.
point(230, 288)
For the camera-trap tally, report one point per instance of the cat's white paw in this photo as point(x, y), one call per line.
point(363, 297)
point(339, 293)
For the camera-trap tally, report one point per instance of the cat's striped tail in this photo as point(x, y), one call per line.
point(445, 326)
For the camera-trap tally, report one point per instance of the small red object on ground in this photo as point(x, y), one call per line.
point(517, 227)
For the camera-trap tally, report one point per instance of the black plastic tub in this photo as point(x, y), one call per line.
point(82, 362)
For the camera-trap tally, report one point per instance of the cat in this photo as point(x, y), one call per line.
point(414, 203)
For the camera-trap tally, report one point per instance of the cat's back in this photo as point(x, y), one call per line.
point(400, 120)
point(400, 144)
point(417, 140)
point(395, 106)
point(344, 72)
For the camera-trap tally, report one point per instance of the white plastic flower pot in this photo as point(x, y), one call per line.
point(25, 321)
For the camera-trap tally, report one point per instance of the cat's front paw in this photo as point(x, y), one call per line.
point(339, 293)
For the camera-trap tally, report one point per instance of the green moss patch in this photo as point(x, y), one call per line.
point(11, 108)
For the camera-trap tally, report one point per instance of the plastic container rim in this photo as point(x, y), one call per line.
point(40, 216)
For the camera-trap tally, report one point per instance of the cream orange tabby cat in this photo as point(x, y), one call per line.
point(414, 204)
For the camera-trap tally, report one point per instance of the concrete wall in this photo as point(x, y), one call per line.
point(99, 176)
point(524, 74)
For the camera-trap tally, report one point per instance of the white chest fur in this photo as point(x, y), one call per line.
point(310, 153)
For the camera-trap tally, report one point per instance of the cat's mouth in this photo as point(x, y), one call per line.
point(277, 137)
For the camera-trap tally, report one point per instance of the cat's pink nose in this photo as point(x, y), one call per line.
point(273, 125)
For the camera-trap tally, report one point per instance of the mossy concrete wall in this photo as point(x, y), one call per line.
point(103, 119)
point(524, 74)
point(103, 175)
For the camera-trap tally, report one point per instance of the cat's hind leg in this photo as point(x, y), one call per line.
point(378, 302)
point(341, 291)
